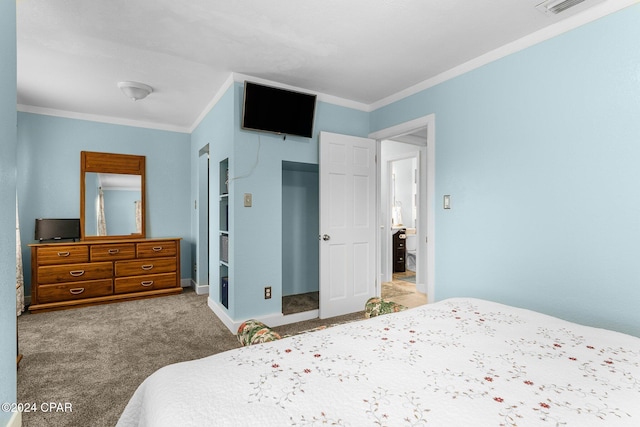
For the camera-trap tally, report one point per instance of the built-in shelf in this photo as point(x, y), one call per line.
point(224, 235)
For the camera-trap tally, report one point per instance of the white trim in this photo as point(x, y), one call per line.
point(402, 128)
point(271, 320)
point(589, 15)
point(185, 283)
point(220, 311)
point(430, 123)
point(100, 119)
point(15, 420)
point(199, 289)
point(219, 94)
point(596, 12)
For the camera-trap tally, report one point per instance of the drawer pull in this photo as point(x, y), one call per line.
point(147, 284)
point(64, 254)
point(157, 248)
point(147, 266)
point(113, 251)
point(76, 291)
point(76, 273)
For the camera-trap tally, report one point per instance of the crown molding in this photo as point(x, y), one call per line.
point(596, 12)
point(98, 118)
point(219, 94)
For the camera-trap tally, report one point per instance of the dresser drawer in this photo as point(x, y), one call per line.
point(113, 252)
point(145, 266)
point(156, 249)
point(145, 283)
point(62, 255)
point(73, 291)
point(75, 272)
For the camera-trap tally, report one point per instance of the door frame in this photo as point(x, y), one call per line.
point(428, 121)
point(202, 212)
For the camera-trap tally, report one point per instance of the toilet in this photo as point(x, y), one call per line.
point(411, 245)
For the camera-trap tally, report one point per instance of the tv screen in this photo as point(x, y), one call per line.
point(281, 111)
point(57, 229)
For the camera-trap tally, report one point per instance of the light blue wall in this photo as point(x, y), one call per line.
point(255, 250)
point(120, 211)
point(540, 153)
point(49, 173)
point(216, 129)
point(7, 205)
point(258, 243)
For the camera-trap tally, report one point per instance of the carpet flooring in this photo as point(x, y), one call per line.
point(299, 303)
point(95, 357)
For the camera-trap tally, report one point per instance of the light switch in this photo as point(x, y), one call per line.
point(247, 200)
point(446, 202)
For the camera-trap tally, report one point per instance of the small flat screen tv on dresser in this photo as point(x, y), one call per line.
point(276, 110)
point(54, 229)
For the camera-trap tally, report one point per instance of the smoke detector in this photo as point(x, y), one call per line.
point(554, 7)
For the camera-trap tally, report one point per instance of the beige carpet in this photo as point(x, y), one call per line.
point(95, 357)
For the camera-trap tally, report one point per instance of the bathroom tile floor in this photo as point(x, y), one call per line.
point(402, 290)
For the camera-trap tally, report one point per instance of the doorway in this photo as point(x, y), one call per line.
point(400, 195)
point(202, 207)
point(413, 138)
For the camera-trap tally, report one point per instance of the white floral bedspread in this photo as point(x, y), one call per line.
point(459, 362)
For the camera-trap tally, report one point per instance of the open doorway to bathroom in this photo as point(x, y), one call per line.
point(403, 163)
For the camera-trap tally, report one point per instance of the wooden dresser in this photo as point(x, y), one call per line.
point(66, 275)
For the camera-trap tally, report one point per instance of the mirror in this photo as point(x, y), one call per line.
point(112, 196)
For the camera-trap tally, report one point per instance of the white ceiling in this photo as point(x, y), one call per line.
point(72, 53)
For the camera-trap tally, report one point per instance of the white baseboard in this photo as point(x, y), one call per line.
point(200, 289)
point(271, 320)
point(220, 311)
point(15, 420)
point(185, 283)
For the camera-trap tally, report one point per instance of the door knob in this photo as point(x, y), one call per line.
point(325, 237)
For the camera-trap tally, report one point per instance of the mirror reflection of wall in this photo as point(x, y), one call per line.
point(403, 209)
point(112, 204)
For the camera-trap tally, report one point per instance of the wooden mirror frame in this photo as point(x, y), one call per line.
point(112, 163)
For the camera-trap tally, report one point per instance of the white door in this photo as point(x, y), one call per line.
point(347, 223)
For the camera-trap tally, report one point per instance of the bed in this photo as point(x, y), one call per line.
point(458, 362)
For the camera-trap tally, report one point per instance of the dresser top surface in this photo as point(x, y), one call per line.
point(103, 242)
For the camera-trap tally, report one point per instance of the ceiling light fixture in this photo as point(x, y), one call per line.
point(553, 7)
point(135, 90)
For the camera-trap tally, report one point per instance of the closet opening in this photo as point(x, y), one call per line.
point(300, 250)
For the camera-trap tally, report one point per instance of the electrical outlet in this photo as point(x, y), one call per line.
point(248, 200)
point(267, 292)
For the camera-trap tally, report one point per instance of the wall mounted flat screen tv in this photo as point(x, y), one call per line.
point(57, 229)
point(281, 111)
